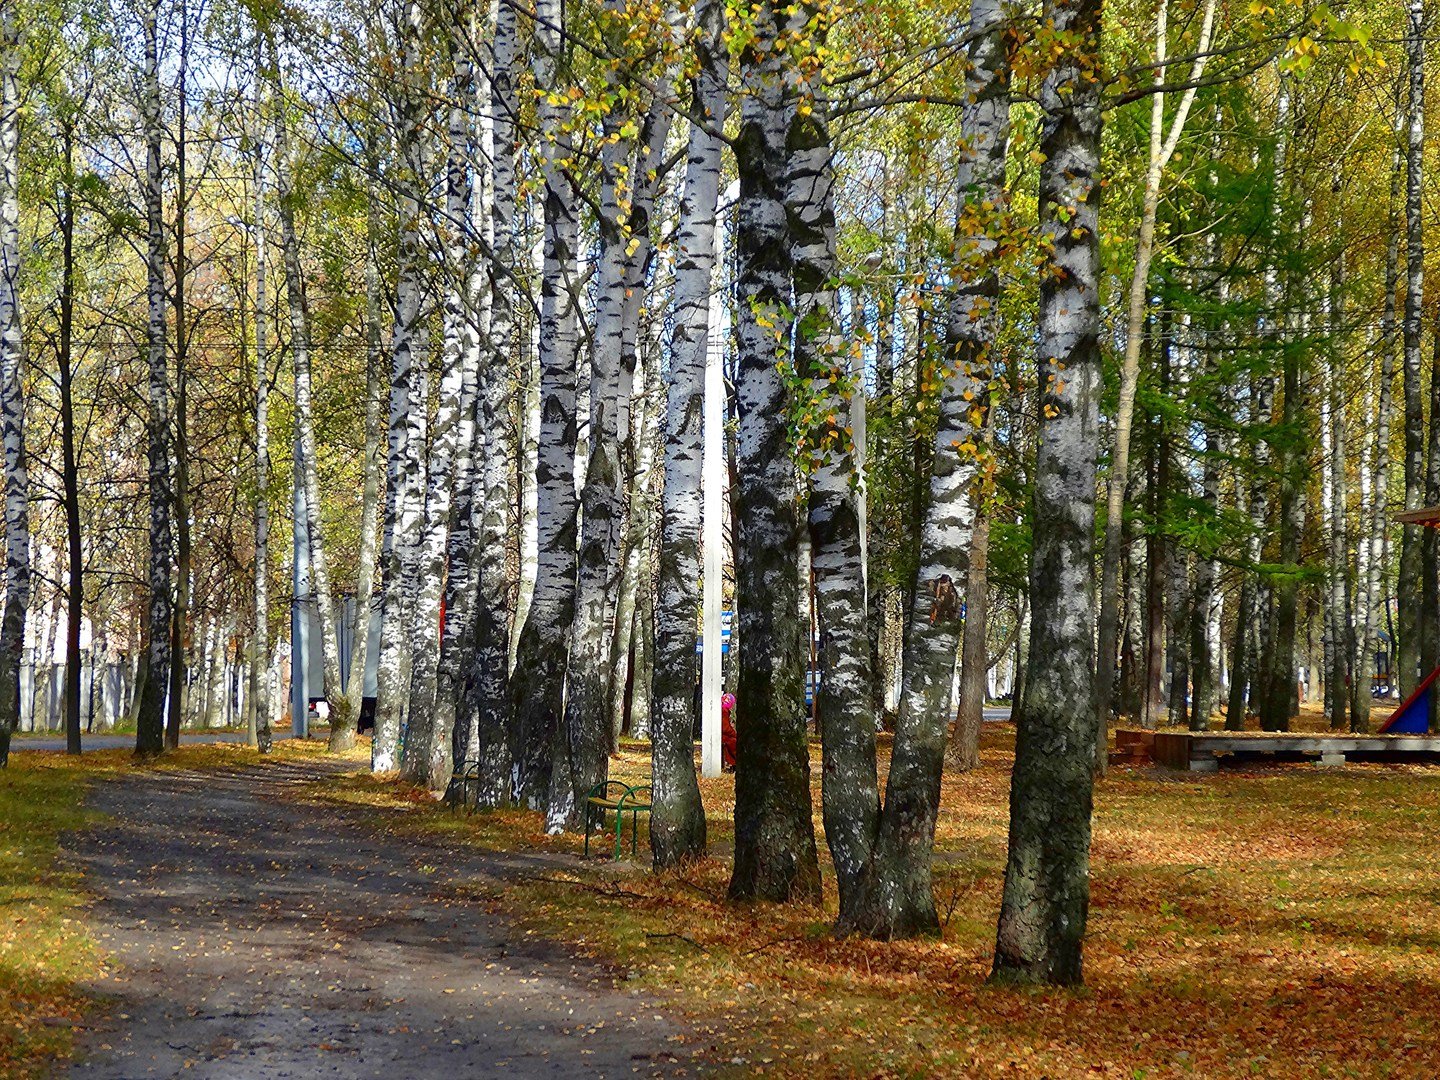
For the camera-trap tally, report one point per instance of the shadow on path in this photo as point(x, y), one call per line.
point(253, 936)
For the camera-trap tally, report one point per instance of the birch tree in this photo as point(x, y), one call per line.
point(150, 721)
point(492, 616)
point(12, 404)
point(342, 718)
point(260, 632)
point(1163, 144)
point(677, 823)
point(538, 682)
point(1047, 871)
point(775, 857)
point(898, 898)
point(404, 466)
point(1408, 592)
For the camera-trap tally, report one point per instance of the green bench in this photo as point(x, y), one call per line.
point(615, 796)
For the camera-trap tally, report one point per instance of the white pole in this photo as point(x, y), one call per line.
point(712, 536)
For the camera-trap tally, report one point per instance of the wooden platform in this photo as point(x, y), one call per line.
point(1201, 751)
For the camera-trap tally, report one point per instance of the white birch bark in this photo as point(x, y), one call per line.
point(404, 493)
point(428, 752)
point(342, 719)
point(900, 900)
point(150, 721)
point(677, 824)
point(497, 431)
point(260, 687)
point(12, 405)
point(538, 683)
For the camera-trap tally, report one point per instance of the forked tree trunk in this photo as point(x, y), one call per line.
point(850, 788)
point(1047, 872)
point(775, 856)
point(898, 898)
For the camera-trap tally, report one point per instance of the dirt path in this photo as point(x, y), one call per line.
point(251, 936)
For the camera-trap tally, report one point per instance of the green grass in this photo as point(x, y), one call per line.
point(45, 948)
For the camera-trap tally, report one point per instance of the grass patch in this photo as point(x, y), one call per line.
point(1279, 922)
point(44, 947)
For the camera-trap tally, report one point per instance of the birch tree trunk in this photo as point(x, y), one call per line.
point(628, 166)
point(372, 467)
point(1373, 582)
point(428, 747)
point(1409, 585)
point(538, 683)
point(492, 645)
point(677, 823)
point(1340, 628)
point(150, 721)
point(404, 467)
point(964, 749)
point(898, 898)
point(1162, 148)
point(1047, 871)
point(12, 404)
point(775, 856)
point(850, 788)
point(260, 640)
point(342, 718)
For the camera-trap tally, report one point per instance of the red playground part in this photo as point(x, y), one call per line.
point(1413, 715)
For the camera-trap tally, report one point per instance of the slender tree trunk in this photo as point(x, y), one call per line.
point(1047, 872)
point(1409, 586)
point(150, 721)
point(1378, 522)
point(434, 677)
point(180, 635)
point(775, 856)
point(12, 405)
point(404, 466)
point(342, 719)
point(1162, 148)
point(850, 788)
point(964, 750)
point(898, 898)
point(69, 472)
point(1339, 607)
point(538, 683)
point(260, 686)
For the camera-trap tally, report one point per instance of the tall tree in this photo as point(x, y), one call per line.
point(260, 685)
point(1163, 144)
point(537, 684)
point(677, 823)
point(342, 719)
point(1408, 592)
point(12, 403)
point(775, 857)
point(492, 616)
point(150, 721)
point(898, 898)
point(1047, 871)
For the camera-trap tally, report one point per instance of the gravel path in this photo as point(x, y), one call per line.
point(252, 936)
